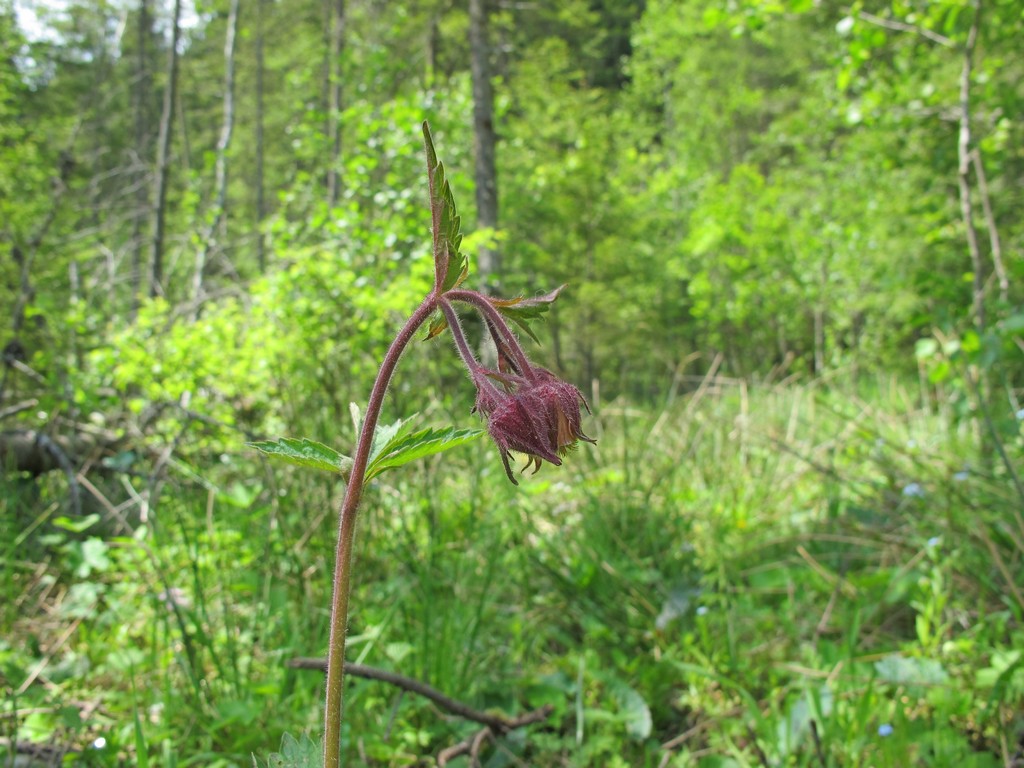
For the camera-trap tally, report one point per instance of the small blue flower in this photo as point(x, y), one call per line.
point(934, 541)
point(702, 610)
point(885, 730)
point(962, 475)
point(913, 491)
point(1020, 415)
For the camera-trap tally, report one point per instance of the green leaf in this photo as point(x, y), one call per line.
point(1013, 324)
point(386, 434)
point(141, 749)
point(925, 348)
point(633, 709)
point(94, 557)
point(394, 445)
point(1003, 676)
point(903, 670)
point(76, 526)
point(451, 264)
point(295, 753)
point(305, 453)
point(438, 325)
point(520, 311)
point(753, 709)
point(239, 495)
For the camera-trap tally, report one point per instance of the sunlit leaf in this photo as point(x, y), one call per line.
point(305, 453)
point(906, 670)
point(521, 310)
point(76, 526)
point(925, 348)
point(295, 753)
point(451, 264)
point(402, 447)
point(632, 708)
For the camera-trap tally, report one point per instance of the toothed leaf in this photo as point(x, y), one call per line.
point(397, 446)
point(521, 310)
point(451, 265)
point(305, 453)
point(295, 753)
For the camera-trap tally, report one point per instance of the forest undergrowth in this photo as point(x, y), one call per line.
point(793, 574)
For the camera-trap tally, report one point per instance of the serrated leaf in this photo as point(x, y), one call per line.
point(402, 447)
point(386, 434)
point(462, 275)
point(295, 753)
point(521, 310)
point(305, 453)
point(451, 265)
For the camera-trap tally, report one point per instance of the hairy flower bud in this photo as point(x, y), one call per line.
point(540, 419)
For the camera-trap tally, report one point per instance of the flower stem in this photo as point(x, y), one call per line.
point(493, 316)
point(347, 530)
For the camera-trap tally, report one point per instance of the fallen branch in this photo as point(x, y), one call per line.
point(35, 754)
point(470, 746)
point(14, 410)
point(499, 723)
point(34, 452)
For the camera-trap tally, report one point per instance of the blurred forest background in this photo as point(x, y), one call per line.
point(792, 237)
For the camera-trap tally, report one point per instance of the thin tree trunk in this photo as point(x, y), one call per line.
point(141, 98)
point(156, 276)
point(220, 202)
point(993, 231)
point(484, 140)
point(261, 257)
point(964, 172)
point(334, 102)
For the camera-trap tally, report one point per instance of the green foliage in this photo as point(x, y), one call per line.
point(521, 310)
point(820, 572)
point(305, 453)
point(693, 573)
point(453, 267)
point(397, 444)
point(295, 753)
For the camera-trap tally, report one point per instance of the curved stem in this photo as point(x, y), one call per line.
point(476, 371)
point(461, 345)
point(494, 317)
point(347, 530)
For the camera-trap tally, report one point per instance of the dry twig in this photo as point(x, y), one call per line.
point(500, 723)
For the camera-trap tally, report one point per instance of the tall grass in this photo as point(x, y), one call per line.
point(791, 574)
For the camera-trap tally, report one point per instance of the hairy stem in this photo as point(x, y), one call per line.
point(461, 345)
point(477, 372)
point(493, 316)
point(347, 530)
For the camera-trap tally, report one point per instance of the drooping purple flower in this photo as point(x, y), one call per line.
point(539, 418)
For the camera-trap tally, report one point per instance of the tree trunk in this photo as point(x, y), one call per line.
point(261, 257)
point(334, 102)
point(140, 97)
point(220, 202)
point(964, 172)
point(156, 275)
point(484, 140)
